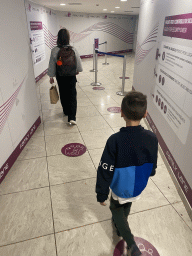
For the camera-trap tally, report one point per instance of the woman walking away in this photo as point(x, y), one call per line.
point(65, 64)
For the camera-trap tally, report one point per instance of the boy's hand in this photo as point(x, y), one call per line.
point(104, 204)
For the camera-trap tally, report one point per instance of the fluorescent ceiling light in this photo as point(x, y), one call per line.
point(104, 9)
point(117, 7)
point(112, 11)
point(123, 0)
point(62, 4)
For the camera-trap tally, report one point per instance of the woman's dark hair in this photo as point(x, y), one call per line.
point(134, 105)
point(63, 37)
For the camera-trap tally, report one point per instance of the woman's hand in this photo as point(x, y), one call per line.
point(51, 80)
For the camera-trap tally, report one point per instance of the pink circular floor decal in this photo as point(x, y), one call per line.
point(73, 149)
point(98, 88)
point(114, 109)
point(146, 248)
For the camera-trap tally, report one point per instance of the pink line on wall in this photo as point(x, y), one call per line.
point(13, 157)
point(6, 108)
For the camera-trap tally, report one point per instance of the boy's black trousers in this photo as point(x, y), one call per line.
point(68, 95)
point(120, 214)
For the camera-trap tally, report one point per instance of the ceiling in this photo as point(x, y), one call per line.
point(93, 6)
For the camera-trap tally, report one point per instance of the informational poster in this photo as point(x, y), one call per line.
point(173, 76)
point(37, 41)
point(163, 72)
point(43, 29)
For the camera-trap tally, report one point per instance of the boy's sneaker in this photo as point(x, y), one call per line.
point(133, 251)
point(72, 122)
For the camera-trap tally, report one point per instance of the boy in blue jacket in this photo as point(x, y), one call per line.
point(128, 160)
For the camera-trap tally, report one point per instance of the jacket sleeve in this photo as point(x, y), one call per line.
point(155, 156)
point(105, 170)
point(52, 64)
point(78, 61)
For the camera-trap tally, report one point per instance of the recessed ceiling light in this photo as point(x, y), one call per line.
point(112, 11)
point(62, 4)
point(117, 7)
point(123, 0)
point(104, 9)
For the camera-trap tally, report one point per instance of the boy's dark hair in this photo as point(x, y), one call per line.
point(63, 37)
point(134, 105)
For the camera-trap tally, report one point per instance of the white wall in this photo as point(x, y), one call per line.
point(163, 65)
point(18, 99)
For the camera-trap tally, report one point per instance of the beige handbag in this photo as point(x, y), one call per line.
point(54, 96)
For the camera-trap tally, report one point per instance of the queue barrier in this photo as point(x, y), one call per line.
point(96, 83)
point(105, 63)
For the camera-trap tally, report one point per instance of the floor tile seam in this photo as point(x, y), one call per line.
point(159, 190)
point(84, 130)
point(26, 190)
point(93, 223)
point(84, 179)
point(51, 185)
point(19, 242)
point(108, 123)
point(58, 134)
point(53, 222)
point(18, 160)
point(86, 147)
point(180, 215)
point(31, 158)
point(88, 97)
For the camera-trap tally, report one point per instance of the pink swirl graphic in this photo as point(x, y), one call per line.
point(107, 27)
point(151, 38)
point(50, 39)
point(6, 108)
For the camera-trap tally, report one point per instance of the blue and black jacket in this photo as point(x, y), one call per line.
point(128, 159)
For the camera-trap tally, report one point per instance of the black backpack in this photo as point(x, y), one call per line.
point(66, 62)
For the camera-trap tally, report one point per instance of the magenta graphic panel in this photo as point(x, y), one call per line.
point(114, 109)
point(73, 149)
point(36, 25)
point(146, 248)
point(96, 43)
point(179, 26)
point(98, 88)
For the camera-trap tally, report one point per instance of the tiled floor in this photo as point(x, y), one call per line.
point(48, 203)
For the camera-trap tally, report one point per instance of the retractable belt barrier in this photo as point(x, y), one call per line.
point(103, 43)
point(121, 93)
point(105, 63)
